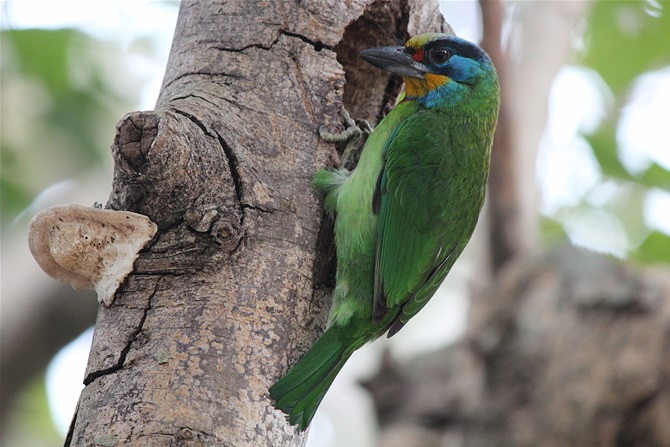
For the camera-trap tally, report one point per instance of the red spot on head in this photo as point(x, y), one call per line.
point(418, 55)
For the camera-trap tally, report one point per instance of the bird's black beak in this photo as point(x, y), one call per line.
point(396, 60)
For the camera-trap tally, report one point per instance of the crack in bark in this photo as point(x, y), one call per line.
point(201, 73)
point(124, 352)
point(318, 45)
point(230, 155)
point(233, 167)
point(300, 85)
point(228, 100)
point(632, 416)
point(252, 45)
point(70, 430)
point(233, 164)
point(262, 209)
point(246, 47)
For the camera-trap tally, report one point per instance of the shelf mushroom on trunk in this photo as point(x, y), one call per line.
point(90, 248)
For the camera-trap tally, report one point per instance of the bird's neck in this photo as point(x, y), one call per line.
point(441, 92)
point(417, 88)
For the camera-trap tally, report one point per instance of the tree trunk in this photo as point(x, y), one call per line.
point(234, 287)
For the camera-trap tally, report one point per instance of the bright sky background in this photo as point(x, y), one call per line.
point(567, 170)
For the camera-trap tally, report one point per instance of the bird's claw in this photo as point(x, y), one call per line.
point(354, 136)
point(351, 131)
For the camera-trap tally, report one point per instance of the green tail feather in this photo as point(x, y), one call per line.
point(299, 393)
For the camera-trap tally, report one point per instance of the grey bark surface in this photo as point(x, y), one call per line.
point(234, 287)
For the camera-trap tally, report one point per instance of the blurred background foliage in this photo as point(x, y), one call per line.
point(625, 45)
point(63, 90)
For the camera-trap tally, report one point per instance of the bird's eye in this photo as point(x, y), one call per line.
point(440, 55)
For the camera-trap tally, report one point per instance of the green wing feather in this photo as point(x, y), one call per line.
point(415, 246)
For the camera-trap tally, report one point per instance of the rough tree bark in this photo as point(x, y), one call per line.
point(233, 288)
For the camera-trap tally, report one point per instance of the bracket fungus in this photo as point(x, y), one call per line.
point(90, 248)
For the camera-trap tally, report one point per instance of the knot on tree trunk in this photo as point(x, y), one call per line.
point(167, 171)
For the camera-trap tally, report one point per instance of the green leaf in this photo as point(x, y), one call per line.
point(43, 54)
point(604, 146)
point(625, 39)
point(552, 231)
point(655, 249)
point(656, 177)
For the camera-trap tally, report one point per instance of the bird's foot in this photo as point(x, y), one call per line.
point(353, 139)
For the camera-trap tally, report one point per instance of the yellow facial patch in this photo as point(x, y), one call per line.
point(420, 87)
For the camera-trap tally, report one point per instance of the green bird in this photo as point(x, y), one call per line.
point(407, 211)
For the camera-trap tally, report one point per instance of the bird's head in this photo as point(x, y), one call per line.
point(430, 64)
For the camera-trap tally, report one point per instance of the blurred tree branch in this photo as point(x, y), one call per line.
point(53, 320)
point(551, 358)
